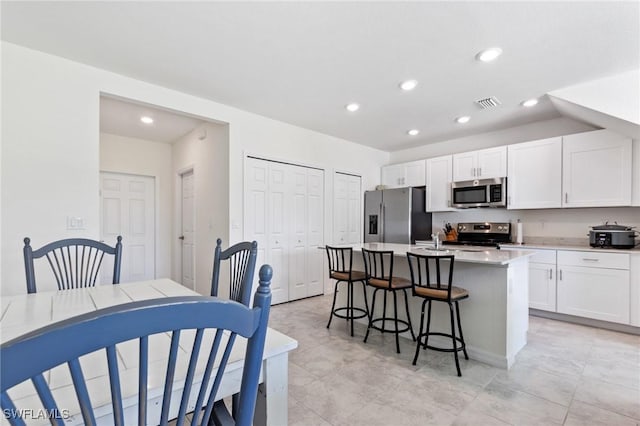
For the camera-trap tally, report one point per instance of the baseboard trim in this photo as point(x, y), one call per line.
point(623, 328)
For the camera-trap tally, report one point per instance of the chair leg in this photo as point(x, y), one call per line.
point(464, 346)
point(366, 304)
point(373, 307)
point(384, 312)
point(333, 305)
point(406, 305)
point(426, 337)
point(415, 357)
point(350, 307)
point(395, 317)
point(453, 338)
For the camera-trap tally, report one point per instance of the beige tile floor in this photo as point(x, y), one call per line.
point(567, 374)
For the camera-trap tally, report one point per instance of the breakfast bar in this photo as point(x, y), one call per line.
point(495, 317)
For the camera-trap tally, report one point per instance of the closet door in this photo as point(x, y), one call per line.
point(354, 213)
point(278, 213)
point(298, 234)
point(340, 206)
point(315, 232)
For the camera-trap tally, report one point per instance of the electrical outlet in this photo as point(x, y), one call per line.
point(75, 223)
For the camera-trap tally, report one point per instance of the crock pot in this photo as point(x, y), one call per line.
point(612, 236)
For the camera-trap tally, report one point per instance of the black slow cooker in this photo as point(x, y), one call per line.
point(612, 236)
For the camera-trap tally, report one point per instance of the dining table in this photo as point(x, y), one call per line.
point(23, 313)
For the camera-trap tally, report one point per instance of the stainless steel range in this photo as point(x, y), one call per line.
point(483, 234)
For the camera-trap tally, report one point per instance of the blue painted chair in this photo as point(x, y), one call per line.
point(242, 265)
point(29, 356)
point(74, 262)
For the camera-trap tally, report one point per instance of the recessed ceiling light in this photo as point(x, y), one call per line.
point(530, 103)
point(408, 85)
point(352, 107)
point(463, 119)
point(146, 120)
point(489, 55)
point(413, 132)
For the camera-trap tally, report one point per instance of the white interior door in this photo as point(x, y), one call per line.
point(340, 208)
point(354, 218)
point(298, 235)
point(315, 231)
point(188, 226)
point(279, 191)
point(128, 209)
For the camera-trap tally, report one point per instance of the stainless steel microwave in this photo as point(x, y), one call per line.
point(479, 193)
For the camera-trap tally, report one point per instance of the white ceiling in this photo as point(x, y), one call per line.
point(301, 62)
point(122, 118)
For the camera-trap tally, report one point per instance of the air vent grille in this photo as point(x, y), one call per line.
point(488, 102)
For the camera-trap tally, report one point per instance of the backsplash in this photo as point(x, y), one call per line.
point(570, 226)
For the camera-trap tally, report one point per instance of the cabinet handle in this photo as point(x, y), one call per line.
point(560, 274)
point(590, 259)
point(566, 197)
point(480, 171)
point(550, 273)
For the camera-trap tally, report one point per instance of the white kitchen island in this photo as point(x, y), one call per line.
point(495, 317)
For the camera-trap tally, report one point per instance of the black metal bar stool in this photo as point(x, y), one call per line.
point(378, 268)
point(423, 268)
point(340, 269)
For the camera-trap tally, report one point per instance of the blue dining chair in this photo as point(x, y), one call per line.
point(74, 262)
point(242, 265)
point(29, 356)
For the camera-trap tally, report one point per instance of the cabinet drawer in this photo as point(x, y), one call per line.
point(595, 260)
point(543, 256)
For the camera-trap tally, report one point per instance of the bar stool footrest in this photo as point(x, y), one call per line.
point(390, 330)
point(362, 313)
point(458, 348)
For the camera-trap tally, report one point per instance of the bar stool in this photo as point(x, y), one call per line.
point(340, 269)
point(423, 268)
point(378, 268)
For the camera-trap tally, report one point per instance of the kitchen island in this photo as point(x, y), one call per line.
point(495, 317)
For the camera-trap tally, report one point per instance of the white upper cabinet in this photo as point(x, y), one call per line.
point(596, 169)
point(483, 164)
point(439, 173)
point(535, 174)
point(635, 185)
point(404, 174)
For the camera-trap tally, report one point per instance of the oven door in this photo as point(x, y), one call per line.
point(465, 195)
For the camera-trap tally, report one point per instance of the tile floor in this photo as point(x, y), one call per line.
point(567, 374)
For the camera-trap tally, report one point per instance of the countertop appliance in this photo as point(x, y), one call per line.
point(612, 236)
point(479, 193)
point(396, 216)
point(489, 234)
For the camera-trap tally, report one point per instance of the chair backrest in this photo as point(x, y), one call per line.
point(378, 265)
point(242, 264)
point(75, 262)
point(30, 356)
point(432, 272)
point(340, 260)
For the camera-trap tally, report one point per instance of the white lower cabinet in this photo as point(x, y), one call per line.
point(542, 280)
point(599, 290)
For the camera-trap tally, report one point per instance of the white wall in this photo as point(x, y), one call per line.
point(208, 158)
point(121, 154)
point(50, 158)
point(617, 96)
point(528, 132)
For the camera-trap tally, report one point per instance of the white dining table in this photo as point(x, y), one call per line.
point(23, 313)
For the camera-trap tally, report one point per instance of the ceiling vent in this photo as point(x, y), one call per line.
point(488, 102)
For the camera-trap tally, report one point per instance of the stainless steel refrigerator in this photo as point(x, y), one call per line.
point(396, 216)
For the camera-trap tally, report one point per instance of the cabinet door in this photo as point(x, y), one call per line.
point(542, 286)
point(635, 184)
point(393, 176)
point(596, 169)
point(535, 174)
point(414, 173)
point(464, 166)
point(439, 173)
point(597, 293)
point(492, 163)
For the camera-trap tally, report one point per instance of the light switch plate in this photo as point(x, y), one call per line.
point(75, 222)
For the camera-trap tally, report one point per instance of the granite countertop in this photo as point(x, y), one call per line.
point(469, 254)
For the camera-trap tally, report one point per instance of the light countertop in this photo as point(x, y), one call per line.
point(568, 246)
point(469, 254)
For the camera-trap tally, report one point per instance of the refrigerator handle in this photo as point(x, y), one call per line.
point(382, 222)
